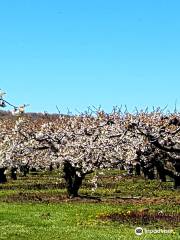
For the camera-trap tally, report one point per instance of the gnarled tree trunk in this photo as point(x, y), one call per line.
point(14, 173)
point(24, 169)
point(160, 169)
point(3, 178)
point(73, 181)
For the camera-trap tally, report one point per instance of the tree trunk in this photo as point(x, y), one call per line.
point(73, 181)
point(3, 178)
point(177, 182)
point(148, 170)
point(160, 169)
point(138, 169)
point(142, 164)
point(24, 169)
point(77, 182)
point(51, 167)
point(150, 174)
point(14, 173)
point(130, 169)
point(175, 176)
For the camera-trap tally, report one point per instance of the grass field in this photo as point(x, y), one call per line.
point(36, 207)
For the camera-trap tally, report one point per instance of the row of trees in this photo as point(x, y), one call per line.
point(84, 143)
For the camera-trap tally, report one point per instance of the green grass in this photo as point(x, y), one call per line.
point(66, 221)
point(79, 219)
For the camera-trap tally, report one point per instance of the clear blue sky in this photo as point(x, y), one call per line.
point(80, 53)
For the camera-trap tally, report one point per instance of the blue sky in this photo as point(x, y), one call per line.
point(76, 54)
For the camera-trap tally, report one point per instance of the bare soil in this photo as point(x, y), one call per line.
point(56, 198)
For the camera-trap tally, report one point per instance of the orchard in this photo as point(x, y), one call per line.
point(144, 143)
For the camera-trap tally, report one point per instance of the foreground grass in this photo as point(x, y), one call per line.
point(68, 221)
point(30, 208)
